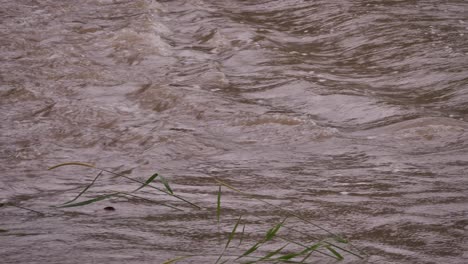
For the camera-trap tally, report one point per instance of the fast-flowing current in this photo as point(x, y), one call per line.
point(336, 118)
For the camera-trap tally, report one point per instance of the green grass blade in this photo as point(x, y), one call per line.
point(316, 246)
point(306, 257)
point(148, 181)
point(293, 255)
point(306, 250)
point(233, 232)
point(242, 235)
point(228, 186)
point(218, 205)
point(251, 250)
point(341, 240)
point(72, 163)
point(272, 232)
point(86, 188)
point(97, 199)
point(313, 249)
point(166, 184)
point(345, 250)
point(334, 252)
point(231, 236)
point(290, 256)
point(271, 254)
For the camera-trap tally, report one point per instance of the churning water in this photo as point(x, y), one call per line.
point(351, 113)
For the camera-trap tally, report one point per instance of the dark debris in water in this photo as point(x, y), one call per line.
point(109, 208)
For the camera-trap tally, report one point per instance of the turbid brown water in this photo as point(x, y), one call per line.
point(350, 113)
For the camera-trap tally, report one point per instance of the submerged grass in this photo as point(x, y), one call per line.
point(276, 247)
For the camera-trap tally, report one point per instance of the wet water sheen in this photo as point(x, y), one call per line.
point(352, 113)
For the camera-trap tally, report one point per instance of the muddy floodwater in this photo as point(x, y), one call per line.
point(351, 114)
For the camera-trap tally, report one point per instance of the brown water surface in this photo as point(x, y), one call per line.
point(351, 113)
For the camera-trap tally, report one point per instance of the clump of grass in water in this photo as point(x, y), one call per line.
point(147, 183)
point(331, 247)
point(280, 254)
